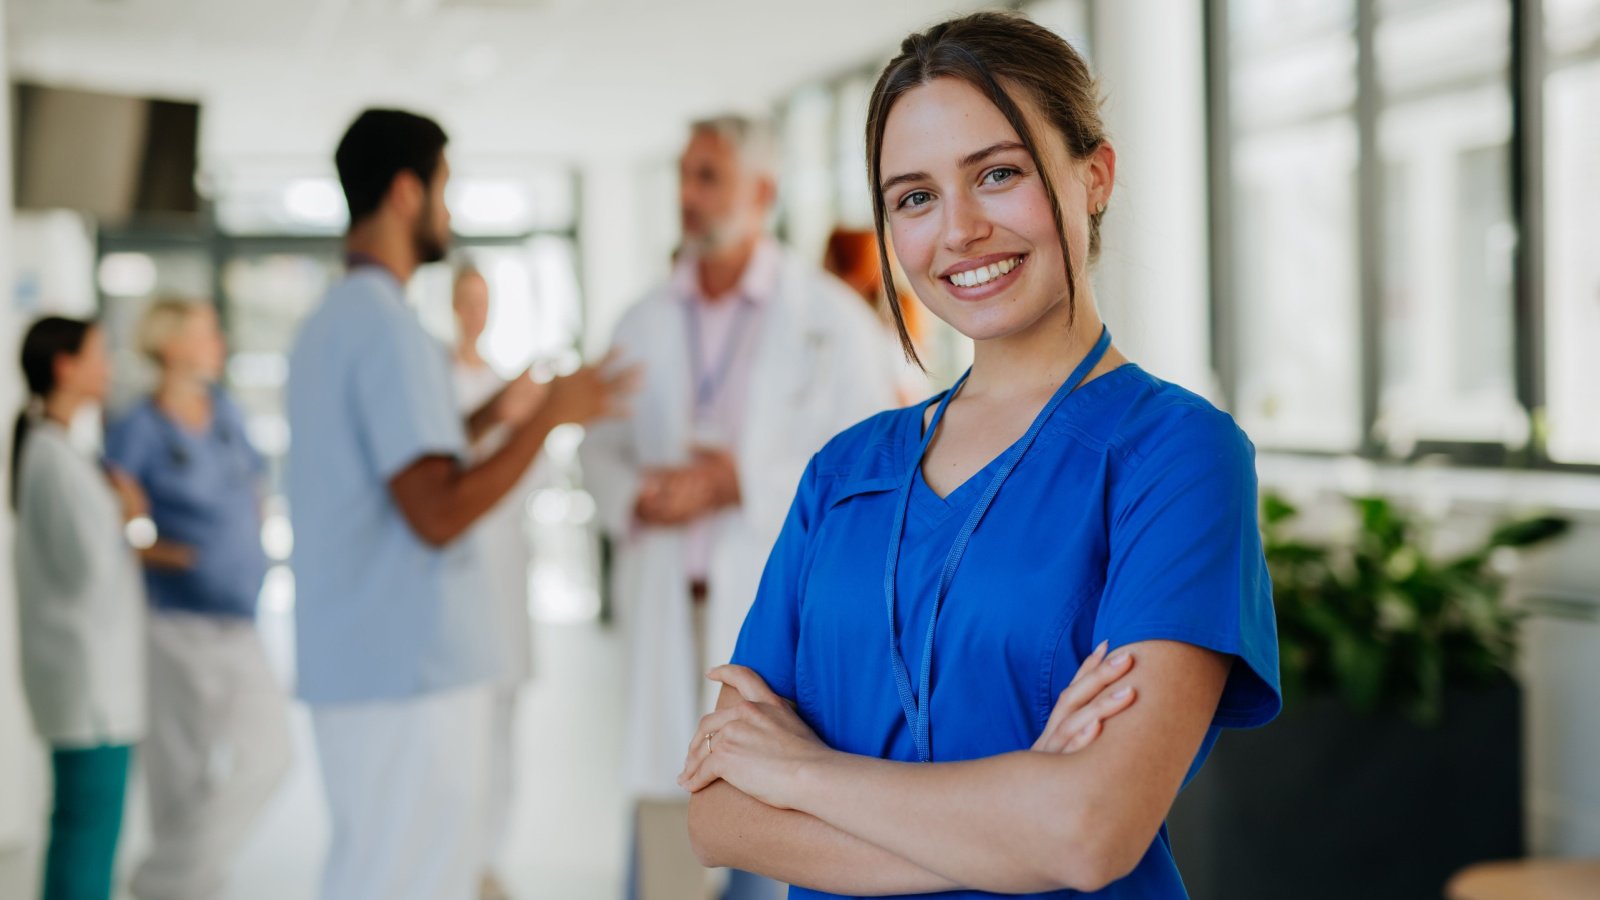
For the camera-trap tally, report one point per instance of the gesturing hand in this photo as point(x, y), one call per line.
point(593, 392)
point(759, 745)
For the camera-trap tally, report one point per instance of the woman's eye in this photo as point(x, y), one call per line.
point(998, 176)
point(914, 199)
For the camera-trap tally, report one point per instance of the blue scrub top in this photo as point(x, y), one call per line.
point(1132, 518)
point(204, 489)
point(379, 613)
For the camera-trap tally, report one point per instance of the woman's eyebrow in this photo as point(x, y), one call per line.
point(971, 159)
point(902, 179)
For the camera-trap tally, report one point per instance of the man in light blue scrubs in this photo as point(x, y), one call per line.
point(394, 622)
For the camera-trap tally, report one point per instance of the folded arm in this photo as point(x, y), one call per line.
point(1019, 822)
point(730, 827)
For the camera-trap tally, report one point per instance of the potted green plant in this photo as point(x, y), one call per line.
point(1397, 759)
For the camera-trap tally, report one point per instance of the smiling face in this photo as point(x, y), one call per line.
point(197, 349)
point(970, 216)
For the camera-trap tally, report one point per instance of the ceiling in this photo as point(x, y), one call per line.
point(560, 80)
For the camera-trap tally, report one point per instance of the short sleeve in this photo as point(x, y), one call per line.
point(768, 642)
point(129, 441)
point(404, 402)
point(1186, 562)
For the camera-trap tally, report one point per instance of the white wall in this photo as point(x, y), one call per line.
point(16, 745)
point(627, 230)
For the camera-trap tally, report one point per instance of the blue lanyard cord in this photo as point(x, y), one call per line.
point(707, 384)
point(916, 706)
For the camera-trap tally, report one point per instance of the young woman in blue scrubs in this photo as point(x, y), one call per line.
point(946, 568)
point(218, 743)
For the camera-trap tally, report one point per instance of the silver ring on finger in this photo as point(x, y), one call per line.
point(709, 736)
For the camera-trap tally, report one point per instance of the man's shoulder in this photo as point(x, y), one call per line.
point(827, 301)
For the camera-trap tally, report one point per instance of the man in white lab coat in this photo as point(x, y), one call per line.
point(752, 360)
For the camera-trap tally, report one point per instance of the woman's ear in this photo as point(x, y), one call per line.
point(1100, 176)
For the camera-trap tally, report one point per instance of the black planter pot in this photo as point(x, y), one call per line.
point(1327, 803)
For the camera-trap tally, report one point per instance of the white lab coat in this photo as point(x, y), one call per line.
point(818, 368)
point(80, 598)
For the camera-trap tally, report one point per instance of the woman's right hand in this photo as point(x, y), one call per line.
point(1087, 703)
point(169, 555)
point(595, 391)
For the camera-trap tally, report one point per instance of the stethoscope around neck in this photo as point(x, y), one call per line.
point(178, 453)
point(915, 705)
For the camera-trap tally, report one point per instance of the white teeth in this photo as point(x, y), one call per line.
point(985, 274)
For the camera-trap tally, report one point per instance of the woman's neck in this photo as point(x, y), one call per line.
point(1035, 361)
point(185, 398)
point(61, 407)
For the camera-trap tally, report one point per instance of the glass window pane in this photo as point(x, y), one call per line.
point(267, 296)
point(1295, 287)
point(1294, 268)
point(807, 178)
point(1571, 26)
point(1444, 135)
point(850, 153)
point(1572, 266)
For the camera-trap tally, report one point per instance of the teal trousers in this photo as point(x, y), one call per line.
point(86, 822)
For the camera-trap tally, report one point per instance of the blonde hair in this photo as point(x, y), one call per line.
point(162, 321)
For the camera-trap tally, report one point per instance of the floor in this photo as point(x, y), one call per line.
point(569, 813)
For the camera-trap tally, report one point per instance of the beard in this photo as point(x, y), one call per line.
point(429, 245)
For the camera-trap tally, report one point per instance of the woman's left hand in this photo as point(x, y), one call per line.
point(758, 745)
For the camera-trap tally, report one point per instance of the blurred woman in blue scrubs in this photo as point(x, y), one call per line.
point(218, 743)
point(81, 605)
point(946, 567)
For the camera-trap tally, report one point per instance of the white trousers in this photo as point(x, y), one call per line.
point(217, 749)
point(502, 787)
point(406, 787)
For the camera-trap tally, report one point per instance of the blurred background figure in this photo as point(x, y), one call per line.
point(852, 256)
point(752, 359)
point(82, 605)
point(218, 742)
point(396, 626)
point(505, 554)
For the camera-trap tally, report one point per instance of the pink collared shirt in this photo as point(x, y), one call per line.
point(728, 329)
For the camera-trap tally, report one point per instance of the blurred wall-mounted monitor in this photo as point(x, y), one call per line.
point(114, 157)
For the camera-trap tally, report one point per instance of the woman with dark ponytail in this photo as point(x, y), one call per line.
point(81, 603)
